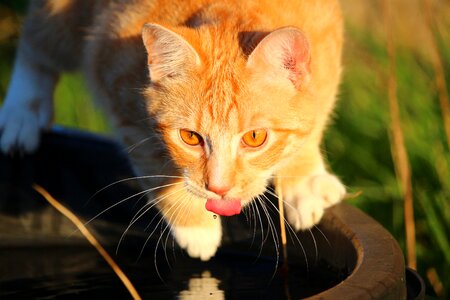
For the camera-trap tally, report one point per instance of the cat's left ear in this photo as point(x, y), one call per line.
point(169, 54)
point(284, 54)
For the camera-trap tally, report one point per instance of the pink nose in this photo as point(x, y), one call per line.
point(219, 190)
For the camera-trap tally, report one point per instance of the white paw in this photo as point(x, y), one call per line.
point(199, 242)
point(19, 129)
point(27, 108)
point(307, 200)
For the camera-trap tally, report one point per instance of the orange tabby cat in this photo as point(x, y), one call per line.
point(219, 96)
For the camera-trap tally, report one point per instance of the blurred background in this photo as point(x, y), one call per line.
point(390, 138)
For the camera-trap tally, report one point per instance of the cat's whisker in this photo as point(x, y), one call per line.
point(168, 225)
point(152, 204)
point(134, 178)
point(143, 211)
point(178, 212)
point(156, 144)
point(142, 90)
point(114, 205)
point(164, 215)
point(137, 144)
point(247, 217)
point(252, 222)
point(143, 196)
point(151, 222)
point(316, 257)
point(276, 209)
point(155, 201)
point(274, 233)
point(263, 238)
point(272, 192)
point(292, 232)
point(323, 234)
point(184, 214)
point(128, 198)
point(168, 161)
point(179, 204)
point(161, 220)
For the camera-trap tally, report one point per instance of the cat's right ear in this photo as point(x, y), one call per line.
point(284, 54)
point(169, 54)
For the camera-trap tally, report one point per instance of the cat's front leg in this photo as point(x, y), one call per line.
point(195, 229)
point(28, 106)
point(308, 189)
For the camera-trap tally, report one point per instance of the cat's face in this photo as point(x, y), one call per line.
point(227, 121)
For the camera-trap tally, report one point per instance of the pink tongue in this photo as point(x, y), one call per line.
point(224, 208)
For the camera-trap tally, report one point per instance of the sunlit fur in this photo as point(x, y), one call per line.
point(216, 84)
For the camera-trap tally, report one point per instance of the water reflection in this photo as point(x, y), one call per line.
point(65, 272)
point(203, 287)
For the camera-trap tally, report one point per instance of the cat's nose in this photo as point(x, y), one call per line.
point(220, 190)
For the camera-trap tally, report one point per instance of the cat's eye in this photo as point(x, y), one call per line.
point(255, 138)
point(190, 137)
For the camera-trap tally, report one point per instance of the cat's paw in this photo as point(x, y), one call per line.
point(199, 242)
point(19, 129)
point(27, 108)
point(306, 200)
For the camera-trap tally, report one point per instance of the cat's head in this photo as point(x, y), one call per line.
point(229, 119)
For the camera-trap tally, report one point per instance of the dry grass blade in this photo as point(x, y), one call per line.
point(438, 69)
point(351, 196)
point(77, 222)
point(282, 224)
point(436, 283)
point(399, 154)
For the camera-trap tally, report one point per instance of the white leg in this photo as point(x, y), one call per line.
point(27, 108)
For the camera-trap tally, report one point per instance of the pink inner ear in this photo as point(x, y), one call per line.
point(284, 52)
point(297, 60)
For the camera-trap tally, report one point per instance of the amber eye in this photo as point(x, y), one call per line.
point(190, 137)
point(255, 138)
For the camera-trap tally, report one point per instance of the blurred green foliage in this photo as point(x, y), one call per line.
point(357, 144)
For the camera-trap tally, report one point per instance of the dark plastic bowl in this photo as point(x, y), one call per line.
point(348, 256)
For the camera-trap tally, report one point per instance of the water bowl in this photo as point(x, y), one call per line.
point(347, 256)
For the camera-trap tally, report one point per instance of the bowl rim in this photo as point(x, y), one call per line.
point(379, 272)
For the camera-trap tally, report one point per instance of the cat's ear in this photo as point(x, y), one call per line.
point(169, 54)
point(284, 54)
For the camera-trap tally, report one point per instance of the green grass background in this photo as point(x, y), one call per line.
point(358, 142)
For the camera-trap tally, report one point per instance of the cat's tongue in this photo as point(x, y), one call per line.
point(224, 208)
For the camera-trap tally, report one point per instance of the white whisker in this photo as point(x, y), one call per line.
point(135, 145)
point(177, 206)
point(291, 231)
point(263, 238)
point(155, 201)
point(127, 198)
point(143, 211)
point(274, 233)
point(323, 234)
point(134, 178)
point(178, 203)
point(315, 245)
point(178, 212)
point(252, 221)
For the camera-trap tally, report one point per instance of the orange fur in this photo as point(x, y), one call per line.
point(219, 68)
